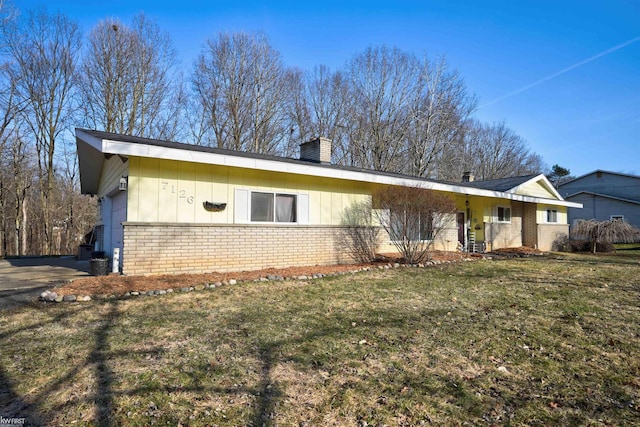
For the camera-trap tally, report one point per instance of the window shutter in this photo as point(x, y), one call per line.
point(241, 209)
point(303, 209)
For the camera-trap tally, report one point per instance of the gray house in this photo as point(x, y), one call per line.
point(604, 195)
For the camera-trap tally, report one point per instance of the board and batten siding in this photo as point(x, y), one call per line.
point(171, 191)
point(535, 189)
point(113, 169)
point(541, 216)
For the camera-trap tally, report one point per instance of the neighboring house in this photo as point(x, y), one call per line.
point(604, 195)
point(175, 208)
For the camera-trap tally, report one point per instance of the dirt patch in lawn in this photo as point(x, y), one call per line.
point(118, 285)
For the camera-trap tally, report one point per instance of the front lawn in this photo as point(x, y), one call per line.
point(535, 341)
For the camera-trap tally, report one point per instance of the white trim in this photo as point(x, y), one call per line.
point(243, 200)
point(545, 183)
point(167, 153)
point(497, 217)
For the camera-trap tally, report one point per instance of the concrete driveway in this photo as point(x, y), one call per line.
point(23, 279)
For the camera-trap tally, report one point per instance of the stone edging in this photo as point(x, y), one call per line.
point(51, 296)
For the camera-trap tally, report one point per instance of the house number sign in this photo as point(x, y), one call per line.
point(182, 194)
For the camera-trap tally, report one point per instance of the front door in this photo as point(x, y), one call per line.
point(461, 226)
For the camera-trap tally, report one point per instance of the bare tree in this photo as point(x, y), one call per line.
point(44, 48)
point(130, 82)
point(319, 106)
point(611, 231)
point(437, 114)
point(239, 81)
point(491, 152)
point(414, 218)
point(382, 83)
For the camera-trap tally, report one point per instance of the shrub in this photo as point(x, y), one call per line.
point(413, 217)
point(358, 235)
point(601, 234)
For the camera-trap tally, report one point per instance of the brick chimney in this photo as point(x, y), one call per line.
point(317, 150)
point(467, 177)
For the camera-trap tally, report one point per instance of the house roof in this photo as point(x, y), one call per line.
point(627, 175)
point(94, 145)
point(502, 184)
point(605, 196)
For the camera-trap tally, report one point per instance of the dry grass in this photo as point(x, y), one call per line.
point(540, 341)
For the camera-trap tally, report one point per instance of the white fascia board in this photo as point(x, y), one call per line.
point(91, 140)
point(152, 151)
point(546, 183)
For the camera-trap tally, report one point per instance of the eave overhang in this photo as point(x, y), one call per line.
point(137, 149)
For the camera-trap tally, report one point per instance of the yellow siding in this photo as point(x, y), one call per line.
point(536, 189)
point(112, 170)
point(541, 214)
point(172, 191)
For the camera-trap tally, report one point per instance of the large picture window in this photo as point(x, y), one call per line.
point(273, 207)
point(410, 227)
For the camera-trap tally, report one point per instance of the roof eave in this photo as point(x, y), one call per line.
point(168, 153)
point(90, 161)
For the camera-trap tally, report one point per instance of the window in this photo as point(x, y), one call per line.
point(411, 227)
point(267, 207)
point(270, 207)
point(617, 217)
point(552, 215)
point(504, 214)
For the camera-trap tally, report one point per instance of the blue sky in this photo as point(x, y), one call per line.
point(565, 75)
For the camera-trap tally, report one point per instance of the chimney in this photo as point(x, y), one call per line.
point(467, 177)
point(317, 150)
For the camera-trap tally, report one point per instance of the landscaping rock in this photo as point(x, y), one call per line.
point(185, 289)
point(135, 293)
point(264, 279)
point(272, 277)
point(199, 287)
point(58, 298)
point(69, 298)
point(232, 281)
point(84, 298)
point(48, 296)
point(162, 292)
point(169, 290)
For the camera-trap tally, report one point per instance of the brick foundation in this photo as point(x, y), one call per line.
point(168, 248)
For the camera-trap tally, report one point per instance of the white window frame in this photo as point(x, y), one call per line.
point(553, 213)
point(498, 214)
point(242, 207)
point(386, 218)
point(620, 217)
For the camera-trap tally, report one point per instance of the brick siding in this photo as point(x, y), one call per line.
point(167, 248)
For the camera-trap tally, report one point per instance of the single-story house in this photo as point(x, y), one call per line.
point(605, 195)
point(169, 207)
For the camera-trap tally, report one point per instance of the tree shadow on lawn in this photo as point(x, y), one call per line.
point(32, 407)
